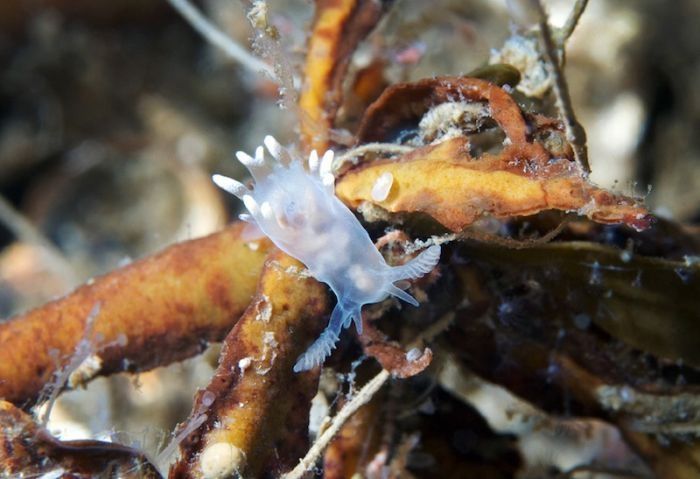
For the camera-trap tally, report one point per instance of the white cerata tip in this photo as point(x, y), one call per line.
point(229, 184)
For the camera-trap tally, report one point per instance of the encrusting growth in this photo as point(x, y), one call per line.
point(299, 212)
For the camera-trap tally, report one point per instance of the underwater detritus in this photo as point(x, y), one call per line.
point(28, 450)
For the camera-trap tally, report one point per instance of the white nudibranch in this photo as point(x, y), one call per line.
point(299, 212)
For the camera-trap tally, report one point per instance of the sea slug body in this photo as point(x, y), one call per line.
point(299, 212)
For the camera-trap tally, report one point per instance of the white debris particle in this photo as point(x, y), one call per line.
point(625, 256)
point(269, 339)
point(450, 120)
point(371, 212)
point(382, 187)
point(691, 260)
point(615, 398)
point(55, 474)
point(253, 245)
point(86, 371)
point(318, 413)
point(245, 363)
point(269, 354)
point(257, 14)
point(221, 459)
point(523, 53)
point(413, 354)
point(264, 309)
point(208, 398)
point(300, 272)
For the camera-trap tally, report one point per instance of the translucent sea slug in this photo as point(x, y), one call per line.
point(299, 212)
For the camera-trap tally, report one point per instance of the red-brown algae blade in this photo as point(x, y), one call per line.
point(154, 311)
point(255, 380)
